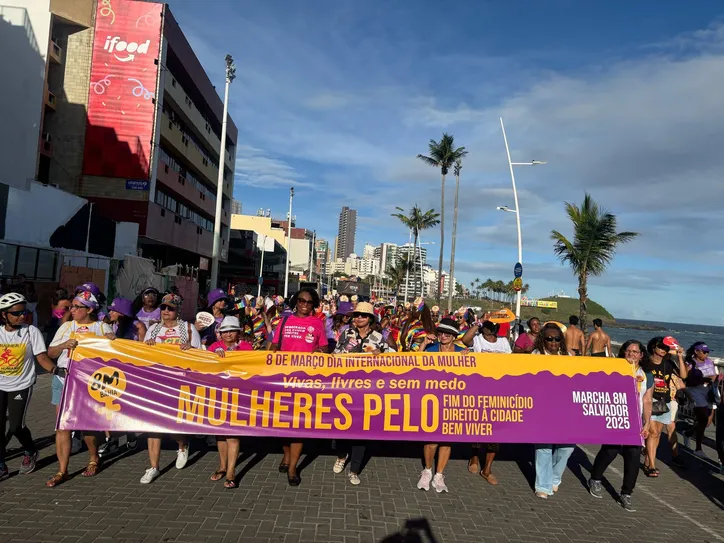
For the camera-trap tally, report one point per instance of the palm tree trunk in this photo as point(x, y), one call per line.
point(583, 298)
point(442, 241)
point(416, 258)
point(452, 248)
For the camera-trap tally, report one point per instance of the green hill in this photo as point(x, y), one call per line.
point(566, 308)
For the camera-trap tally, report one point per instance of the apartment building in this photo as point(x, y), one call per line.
point(131, 122)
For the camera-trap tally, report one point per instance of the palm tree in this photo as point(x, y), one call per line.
point(442, 154)
point(593, 247)
point(456, 171)
point(416, 221)
point(472, 287)
point(399, 270)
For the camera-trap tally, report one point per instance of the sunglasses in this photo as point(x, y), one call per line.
point(303, 301)
point(359, 315)
point(78, 307)
point(164, 307)
point(554, 339)
point(17, 313)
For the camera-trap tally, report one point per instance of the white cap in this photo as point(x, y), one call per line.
point(229, 323)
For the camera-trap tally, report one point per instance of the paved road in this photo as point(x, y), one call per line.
point(682, 505)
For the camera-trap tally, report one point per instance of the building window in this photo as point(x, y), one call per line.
point(35, 264)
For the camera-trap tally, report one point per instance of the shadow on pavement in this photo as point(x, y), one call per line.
point(412, 532)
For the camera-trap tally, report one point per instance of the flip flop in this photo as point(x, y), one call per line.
point(92, 469)
point(217, 475)
point(229, 484)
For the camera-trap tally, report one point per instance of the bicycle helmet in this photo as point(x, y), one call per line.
point(10, 299)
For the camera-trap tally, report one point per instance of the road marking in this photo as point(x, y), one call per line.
point(695, 522)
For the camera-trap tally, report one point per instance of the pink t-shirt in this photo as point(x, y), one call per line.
point(524, 342)
point(301, 334)
point(241, 346)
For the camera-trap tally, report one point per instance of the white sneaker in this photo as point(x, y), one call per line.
point(354, 479)
point(438, 483)
point(425, 478)
point(687, 441)
point(150, 475)
point(339, 465)
point(182, 457)
point(701, 454)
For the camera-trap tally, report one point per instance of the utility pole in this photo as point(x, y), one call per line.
point(289, 242)
point(230, 76)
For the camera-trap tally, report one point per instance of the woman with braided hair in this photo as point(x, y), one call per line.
point(176, 331)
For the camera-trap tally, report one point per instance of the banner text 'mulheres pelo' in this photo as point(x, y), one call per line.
point(126, 386)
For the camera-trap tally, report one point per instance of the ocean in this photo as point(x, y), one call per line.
point(685, 334)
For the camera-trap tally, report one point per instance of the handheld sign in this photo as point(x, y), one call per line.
point(501, 316)
point(205, 319)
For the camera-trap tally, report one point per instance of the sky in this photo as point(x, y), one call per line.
point(622, 99)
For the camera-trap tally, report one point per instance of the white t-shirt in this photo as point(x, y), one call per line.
point(172, 335)
point(73, 330)
point(481, 345)
point(18, 350)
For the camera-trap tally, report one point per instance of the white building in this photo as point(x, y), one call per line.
point(386, 255)
point(418, 255)
point(369, 251)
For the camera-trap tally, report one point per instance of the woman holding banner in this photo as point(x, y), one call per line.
point(447, 333)
point(484, 339)
point(231, 340)
point(84, 323)
point(359, 338)
point(300, 332)
point(176, 331)
point(550, 459)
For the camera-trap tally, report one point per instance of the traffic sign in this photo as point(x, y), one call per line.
point(517, 284)
point(518, 270)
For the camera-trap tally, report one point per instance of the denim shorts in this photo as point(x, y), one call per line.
point(666, 418)
point(56, 388)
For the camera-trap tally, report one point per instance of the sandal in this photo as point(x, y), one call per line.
point(92, 469)
point(283, 468)
point(651, 472)
point(473, 467)
point(230, 483)
point(218, 474)
point(490, 478)
point(55, 480)
point(294, 480)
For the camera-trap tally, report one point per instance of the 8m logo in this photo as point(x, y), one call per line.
point(116, 45)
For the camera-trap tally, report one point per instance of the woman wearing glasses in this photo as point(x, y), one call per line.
point(175, 331)
point(358, 338)
point(22, 345)
point(447, 333)
point(300, 332)
point(635, 354)
point(84, 323)
point(484, 339)
point(550, 459)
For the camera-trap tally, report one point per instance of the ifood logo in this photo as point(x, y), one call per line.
point(116, 45)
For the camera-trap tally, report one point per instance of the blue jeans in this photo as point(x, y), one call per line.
point(550, 463)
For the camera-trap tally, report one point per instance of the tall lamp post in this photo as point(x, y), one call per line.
point(517, 208)
point(230, 76)
point(289, 242)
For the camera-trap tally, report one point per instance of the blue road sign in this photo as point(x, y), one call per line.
point(518, 270)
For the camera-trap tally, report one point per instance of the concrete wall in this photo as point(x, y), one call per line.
point(50, 208)
point(24, 35)
point(70, 83)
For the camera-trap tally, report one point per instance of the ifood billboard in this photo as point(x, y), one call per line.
point(121, 105)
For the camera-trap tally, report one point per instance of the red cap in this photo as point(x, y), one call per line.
point(669, 341)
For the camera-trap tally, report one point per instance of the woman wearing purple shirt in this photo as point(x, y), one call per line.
point(149, 313)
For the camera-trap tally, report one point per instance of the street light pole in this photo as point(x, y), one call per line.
point(517, 216)
point(517, 208)
point(230, 76)
point(261, 264)
point(289, 242)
